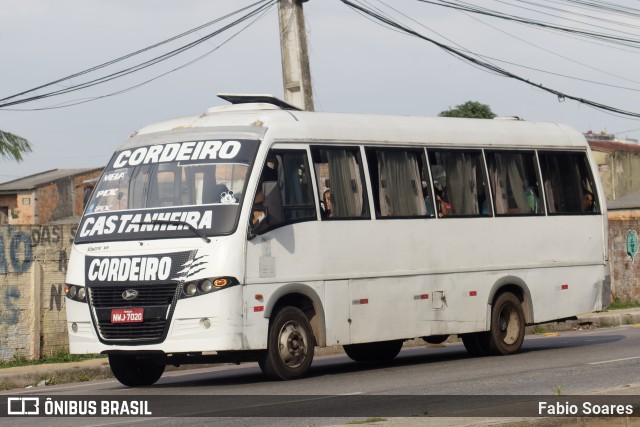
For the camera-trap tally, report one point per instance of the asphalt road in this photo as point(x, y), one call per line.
point(572, 363)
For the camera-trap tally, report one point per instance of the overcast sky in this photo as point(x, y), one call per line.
point(356, 66)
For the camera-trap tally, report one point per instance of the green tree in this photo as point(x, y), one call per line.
point(13, 146)
point(470, 109)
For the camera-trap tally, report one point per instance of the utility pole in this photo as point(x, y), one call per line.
point(296, 72)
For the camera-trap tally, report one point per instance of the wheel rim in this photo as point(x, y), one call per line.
point(292, 342)
point(509, 323)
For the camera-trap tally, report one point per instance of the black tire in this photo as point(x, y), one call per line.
point(290, 346)
point(135, 371)
point(476, 344)
point(507, 325)
point(435, 339)
point(374, 351)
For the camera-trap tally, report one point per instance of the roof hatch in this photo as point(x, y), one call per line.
point(236, 98)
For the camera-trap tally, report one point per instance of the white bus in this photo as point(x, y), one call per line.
point(257, 232)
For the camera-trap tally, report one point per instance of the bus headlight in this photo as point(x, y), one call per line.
point(190, 289)
point(207, 286)
point(75, 293)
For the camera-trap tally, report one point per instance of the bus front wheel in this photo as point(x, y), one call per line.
point(134, 371)
point(373, 351)
point(507, 325)
point(290, 345)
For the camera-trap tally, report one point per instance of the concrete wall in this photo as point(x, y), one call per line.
point(619, 172)
point(625, 270)
point(33, 263)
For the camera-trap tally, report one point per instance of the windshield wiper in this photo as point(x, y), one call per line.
point(167, 222)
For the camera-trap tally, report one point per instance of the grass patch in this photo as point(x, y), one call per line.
point(540, 330)
point(57, 357)
point(618, 304)
point(557, 390)
point(368, 420)
point(77, 377)
point(605, 324)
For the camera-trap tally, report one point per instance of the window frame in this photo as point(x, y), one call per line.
point(314, 151)
point(542, 206)
point(423, 165)
point(312, 186)
point(588, 168)
point(483, 173)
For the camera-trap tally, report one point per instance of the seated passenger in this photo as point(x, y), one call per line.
point(531, 194)
point(587, 201)
point(444, 207)
point(269, 173)
point(326, 205)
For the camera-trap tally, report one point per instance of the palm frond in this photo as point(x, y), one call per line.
point(13, 146)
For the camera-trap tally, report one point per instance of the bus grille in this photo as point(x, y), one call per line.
point(145, 331)
point(157, 300)
point(148, 295)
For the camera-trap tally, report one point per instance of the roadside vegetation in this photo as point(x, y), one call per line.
point(58, 357)
point(617, 304)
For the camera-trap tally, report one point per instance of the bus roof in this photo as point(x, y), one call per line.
point(290, 125)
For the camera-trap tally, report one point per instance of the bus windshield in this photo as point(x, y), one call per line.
point(163, 191)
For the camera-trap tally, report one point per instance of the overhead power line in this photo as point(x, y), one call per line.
point(255, 10)
point(483, 64)
point(610, 38)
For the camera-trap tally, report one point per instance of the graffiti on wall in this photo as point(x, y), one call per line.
point(18, 247)
point(20, 253)
point(10, 313)
point(632, 243)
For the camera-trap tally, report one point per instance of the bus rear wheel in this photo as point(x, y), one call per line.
point(374, 351)
point(135, 371)
point(507, 325)
point(476, 344)
point(290, 346)
point(435, 339)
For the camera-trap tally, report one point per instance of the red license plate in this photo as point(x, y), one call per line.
point(127, 315)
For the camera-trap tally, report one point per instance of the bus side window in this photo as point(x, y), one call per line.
point(396, 181)
point(514, 182)
point(295, 186)
point(286, 172)
point(340, 177)
point(459, 182)
point(568, 184)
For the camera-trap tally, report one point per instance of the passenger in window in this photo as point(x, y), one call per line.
point(587, 201)
point(484, 207)
point(444, 207)
point(325, 204)
point(269, 173)
point(531, 194)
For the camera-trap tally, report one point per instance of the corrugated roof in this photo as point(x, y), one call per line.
point(32, 181)
point(628, 201)
point(610, 146)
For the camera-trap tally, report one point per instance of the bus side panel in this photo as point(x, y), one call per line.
point(563, 292)
point(456, 261)
point(336, 307)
